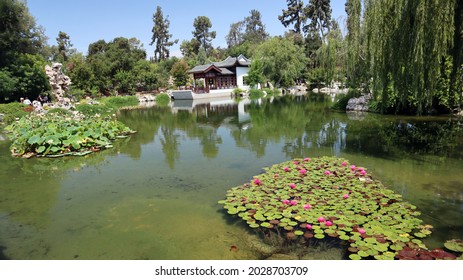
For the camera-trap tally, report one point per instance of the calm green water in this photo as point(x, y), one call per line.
point(154, 196)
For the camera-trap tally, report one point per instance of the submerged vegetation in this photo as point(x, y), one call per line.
point(329, 199)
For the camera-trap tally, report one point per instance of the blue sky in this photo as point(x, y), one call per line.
point(87, 21)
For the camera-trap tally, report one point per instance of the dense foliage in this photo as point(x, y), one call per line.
point(408, 54)
point(22, 51)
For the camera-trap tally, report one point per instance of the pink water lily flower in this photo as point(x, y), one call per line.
point(353, 167)
point(345, 196)
point(285, 202)
point(344, 163)
point(308, 226)
point(327, 172)
point(363, 173)
point(302, 171)
point(361, 231)
point(286, 169)
point(257, 182)
point(328, 223)
point(296, 162)
point(307, 159)
point(360, 169)
point(321, 220)
point(276, 175)
point(293, 202)
point(292, 186)
point(307, 206)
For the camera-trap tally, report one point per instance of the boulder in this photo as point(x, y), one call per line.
point(359, 104)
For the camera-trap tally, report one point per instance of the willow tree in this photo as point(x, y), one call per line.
point(355, 50)
point(283, 61)
point(408, 41)
point(331, 57)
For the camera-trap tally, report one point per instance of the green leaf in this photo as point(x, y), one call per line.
point(40, 149)
point(35, 139)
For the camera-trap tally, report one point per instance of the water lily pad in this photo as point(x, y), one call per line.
point(308, 235)
point(370, 217)
point(254, 225)
point(355, 257)
point(363, 254)
point(455, 245)
point(265, 224)
point(319, 236)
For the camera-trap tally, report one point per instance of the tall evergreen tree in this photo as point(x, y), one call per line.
point(293, 15)
point(319, 14)
point(202, 25)
point(254, 28)
point(161, 37)
point(64, 46)
point(235, 35)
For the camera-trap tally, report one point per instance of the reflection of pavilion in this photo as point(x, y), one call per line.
point(206, 107)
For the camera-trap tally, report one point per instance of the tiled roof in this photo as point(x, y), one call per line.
point(222, 65)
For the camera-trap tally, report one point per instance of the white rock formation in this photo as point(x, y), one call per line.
point(59, 82)
point(359, 104)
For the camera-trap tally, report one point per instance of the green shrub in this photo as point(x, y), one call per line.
point(162, 99)
point(272, 92)
point(13, 110)
point(342, 100)
point(77, 94)
point(120, 101)
point(106, 105)
point(59, 111)
point(93, 109)
point(256, 93)
point(238, 91)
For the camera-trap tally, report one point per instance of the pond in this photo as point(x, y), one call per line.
point(154, 195)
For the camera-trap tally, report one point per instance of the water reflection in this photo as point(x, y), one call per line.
point(399, 148)
point(185, 156)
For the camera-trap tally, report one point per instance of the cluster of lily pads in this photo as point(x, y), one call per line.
point(55, 135)
point(328, 197)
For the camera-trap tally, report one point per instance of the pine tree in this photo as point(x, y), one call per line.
point(161, 37)
point(293, 15)
point(202, 24)
point(64, 46)
point(319, 14)
point(254, 28)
